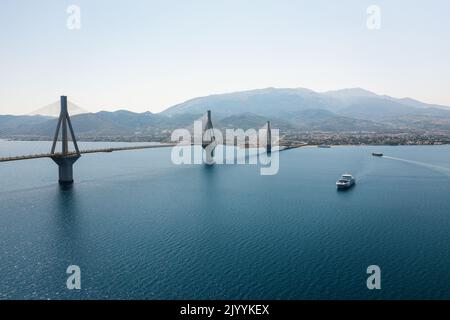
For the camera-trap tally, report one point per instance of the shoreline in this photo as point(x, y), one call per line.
point(287, 145)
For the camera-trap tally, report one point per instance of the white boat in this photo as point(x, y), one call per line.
point(346, 181)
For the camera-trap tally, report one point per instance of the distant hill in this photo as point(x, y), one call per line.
point(97, 126)
point(290, 110)
point(252, 121)
point(287, 102)
point(305, 108)
point(20, 125)
point(265, 102)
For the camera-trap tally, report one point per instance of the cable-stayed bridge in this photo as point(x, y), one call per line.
point(54, 109)
point(66, 158)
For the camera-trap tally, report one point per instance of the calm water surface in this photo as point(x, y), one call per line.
point(141, 227)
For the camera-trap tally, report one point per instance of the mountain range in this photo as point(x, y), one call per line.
point(289, 109)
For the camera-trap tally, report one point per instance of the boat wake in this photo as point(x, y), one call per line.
point(443, 170)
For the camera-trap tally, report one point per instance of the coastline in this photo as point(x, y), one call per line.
point(293, 145)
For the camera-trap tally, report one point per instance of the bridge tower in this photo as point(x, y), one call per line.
point(269, 138)
point(65, 159)
point(208, 139)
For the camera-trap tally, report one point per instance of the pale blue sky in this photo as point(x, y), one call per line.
point(148, 55)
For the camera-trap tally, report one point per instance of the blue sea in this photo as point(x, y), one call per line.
point(141, 227)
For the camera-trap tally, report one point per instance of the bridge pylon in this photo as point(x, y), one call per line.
point(65, 159)
point(269, 138)
point(208, 139)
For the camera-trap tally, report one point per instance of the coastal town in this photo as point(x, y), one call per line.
point(356, 138)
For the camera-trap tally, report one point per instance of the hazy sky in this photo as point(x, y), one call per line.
point(148, 55)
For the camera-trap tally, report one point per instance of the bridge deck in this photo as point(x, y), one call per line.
point(104, 150)
point(73, 153)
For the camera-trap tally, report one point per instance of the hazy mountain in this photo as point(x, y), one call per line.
point(350, 93)
point(289, 104)
point(355, 95)
point(18, 125)
point(347, 124)
point(290, 110)
point(265, 102)
point(99, 125)
point(252, 121)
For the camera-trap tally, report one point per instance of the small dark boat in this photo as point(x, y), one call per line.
point(377, 154)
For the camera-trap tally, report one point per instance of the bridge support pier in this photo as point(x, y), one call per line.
point(65, 159)
point(65, 166)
